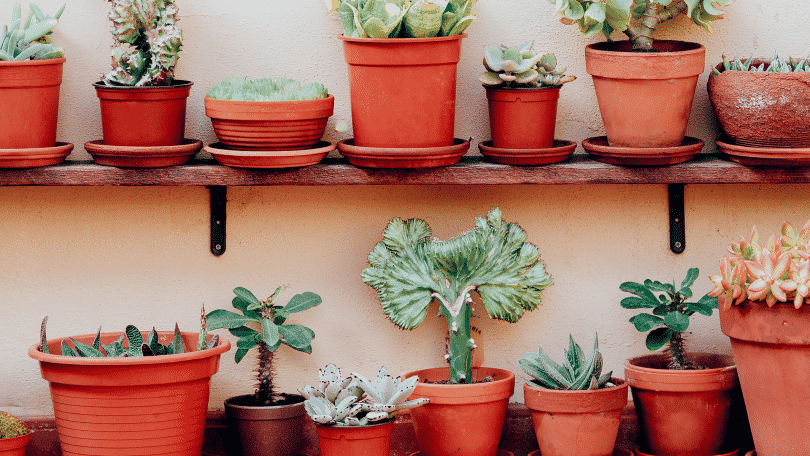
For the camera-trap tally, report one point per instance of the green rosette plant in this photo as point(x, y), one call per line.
point(284, 89)
point(403, 18)
point(520, 66)
point(577, 372)
point(776, 65)
point(29, 39)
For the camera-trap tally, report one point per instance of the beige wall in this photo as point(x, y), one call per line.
point(114, 256)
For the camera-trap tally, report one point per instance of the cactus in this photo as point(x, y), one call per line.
point(272, 333)
point(404, 18)
point(29, 40)
point(238, 89)
point(11, 427)
point(777, 65)
point(521, 67)
point(148, 42)
point(576, 373)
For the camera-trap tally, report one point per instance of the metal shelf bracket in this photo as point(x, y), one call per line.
point(219, 203)
point(677, 227)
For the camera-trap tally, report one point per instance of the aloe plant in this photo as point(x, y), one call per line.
point(404, 18)
point(410, 270)
point(521, 67)
point(11, 427)
point(576, 373)
point(283, 89)
point(29, 40)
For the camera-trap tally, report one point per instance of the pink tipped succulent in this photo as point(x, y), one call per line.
point(799, 283)
point(767, 272)
point(746, 248)
point(728, 286)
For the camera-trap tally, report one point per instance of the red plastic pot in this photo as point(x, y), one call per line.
point(461, 420)
point(372, 440)
point(29, 103)
point(130, 406)
point(14, 446)
point(143, 116)
point(522, 118)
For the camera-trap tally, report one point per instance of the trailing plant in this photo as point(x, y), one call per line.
point(638, 19)
point(263, 325)
point(778, 271)
point(403, 18)
point(576, 373)
point(29, 40)
point(521, 67)
point(670, 314)
point(410, 270)
point(148, 42)
point(11, 427)
point(355, 401)
point(776, 65)
point(284, 89)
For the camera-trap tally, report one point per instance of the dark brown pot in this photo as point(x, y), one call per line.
point(758, 109)
point(267, 430)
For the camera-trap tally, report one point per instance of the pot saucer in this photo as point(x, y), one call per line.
point(500, 453)
point(638, 452)
point(599, 149)
point(616, 452)
point(142, 157)
point(33, 157)
point(422, 157)
point(560, 151)
point(269, 158)
point(783, 157)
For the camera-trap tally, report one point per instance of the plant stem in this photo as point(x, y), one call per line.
point(264, 375)
point(641, 34)
point(677, 352)
point(460, 349)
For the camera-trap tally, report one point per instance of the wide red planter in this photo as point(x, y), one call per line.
point(143, 116)
point(29, 103)
point(522, 118)
point(374, 440)
point(130, 406)
point(772, 350)
point(14, 446)
point(403, 90)
point(645, 97)
point(461, 420)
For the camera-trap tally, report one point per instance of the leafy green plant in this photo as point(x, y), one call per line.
point(29, 40)
point(410, 270)
point(576, 373)
point(638, 19)
point(284, 89)
point(263, 325)
point(521, 67)
point(670, 314)
point(11, 427)
point(776, 65)
point(404, 18)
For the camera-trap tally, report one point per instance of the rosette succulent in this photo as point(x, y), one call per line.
point(11, 427)
point(29, 40)
point(521, 67)
point(576, 373)
point(283, 89)
point(776, 65)
point(404, 18)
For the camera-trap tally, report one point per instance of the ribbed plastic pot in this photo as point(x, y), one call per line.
point(29, 103)
point(153, 405)
point(522, 118)
point(269, 125)
point(581, 423)
point(645, 97)
point(461, 420)
point(372, 440)
point(14, 446)
point(267, 430)
point(143, 116)
point(403, 90)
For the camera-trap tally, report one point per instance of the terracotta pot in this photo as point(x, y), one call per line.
point(580, 423)
point(266, 430)
point(29, 101)
point(355, 440)
point(682, 412)
point(269, 125)
point(461, 420)
point(758, 109)
point(772, 349)
point(645, 97)
point(522, 118)
point(403, 90)
point(130, 406)
point(143, 116)
point(14, 446)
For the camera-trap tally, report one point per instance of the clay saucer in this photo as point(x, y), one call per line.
point(560, 151)
point(422, 157)
point(639, 452)
point(783, 157)
point(269, 158)
point(616, 452)
point(642, 156)
point(500, 453)
point(33, 157)
point(142, 157)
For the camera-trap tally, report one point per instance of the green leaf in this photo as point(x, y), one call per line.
point(646, 322)
point(296, 336)
point(677, 321)
point(658, 337)
point(269, 332)
point(134, 337)
point(708, 301)
point(246, 295)
point(66, 350)
point(699, 308)
point(691, 275)
point(86, 350)
point(640, 290)
point(302, 302)
point(240, 353)
point(247, 342)
point(221, 318)
point(632, 302)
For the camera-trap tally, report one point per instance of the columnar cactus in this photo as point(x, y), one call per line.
point(29, 40)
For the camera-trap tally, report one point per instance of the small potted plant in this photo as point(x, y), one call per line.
point(402, 57)
point(130, 392)
point(353, 415)
point(523, 88)
point(676, 390)
point(266, 123)
point(644, 87)
point(14, 436)
point(410, 270)
point(576, 410)
point(267, 422)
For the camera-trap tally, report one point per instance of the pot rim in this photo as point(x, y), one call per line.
point(576, 401)
point(13, 63)
point(711, 379)
point(176, 84)
point(401, 40)
point(388, 422)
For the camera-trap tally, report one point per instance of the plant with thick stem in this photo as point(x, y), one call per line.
point(410, 270)
point(638, 19)
point(670, 314)
point(263, 325)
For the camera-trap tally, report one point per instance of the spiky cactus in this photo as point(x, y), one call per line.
point(521, 67)
point(576, 373)
point(11, 427)
point(148, 42)
point(29, 40)
point(404, 18)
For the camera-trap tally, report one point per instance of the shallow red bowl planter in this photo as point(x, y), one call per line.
point(29, 103)
point(14, 446)
point(522, 118)
point(374, 440)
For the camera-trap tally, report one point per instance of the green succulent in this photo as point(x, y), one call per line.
point(238, 89)
point(776, 65)
point(29, 40)
point(521, 67)
point(576, 373)
point(405, 18)
point(11, 427)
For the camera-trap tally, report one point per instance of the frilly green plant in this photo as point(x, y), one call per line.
point(576, 373)
point(776, 65)
point(638, 19)
point(521, 67)
point(403, 18)
point(29, 40)
point(148, 42)
point(11, 427)
point(410, 270)
point(284, 89)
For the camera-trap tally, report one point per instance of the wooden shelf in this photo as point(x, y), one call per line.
point(580, 169)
